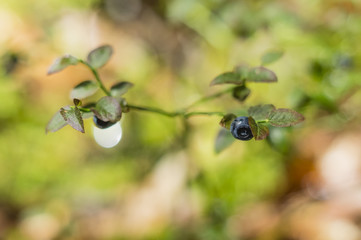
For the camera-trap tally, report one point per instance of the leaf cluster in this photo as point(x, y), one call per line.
point(260, 116)
point(107, 108)
point(243, 73)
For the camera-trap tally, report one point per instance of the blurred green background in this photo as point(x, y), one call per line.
point(164, 180)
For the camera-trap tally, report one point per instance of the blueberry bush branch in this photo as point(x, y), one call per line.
point(173, 114)
point(109, 109)
point(97, 78)
point(210, 97)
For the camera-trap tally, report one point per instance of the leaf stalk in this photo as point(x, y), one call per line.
point(97, 77)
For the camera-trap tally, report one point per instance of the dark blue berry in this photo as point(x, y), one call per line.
point(240, 129)
point(102, 124)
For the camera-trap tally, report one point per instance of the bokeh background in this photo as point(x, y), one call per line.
point(164, 180)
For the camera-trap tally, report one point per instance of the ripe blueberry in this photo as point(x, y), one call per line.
point(101, 124)
point(240, 129)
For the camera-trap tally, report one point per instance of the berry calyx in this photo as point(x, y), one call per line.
point(240, 129)
point(102, 124)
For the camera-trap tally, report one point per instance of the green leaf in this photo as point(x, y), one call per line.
point(227, 120)
point(84, 89)
point(271, 57)
point(261, 112)
point(120, 88)
point(86, 114)
point(108, 109)
point(73, 117)
point(283, 117)
point(228, 77)
point(243, 71)
point(261, 74)
point(241, 93)
point(224, 139)
point(56, 122)
point(61, 63)
point(100, 56)
point(259, 131)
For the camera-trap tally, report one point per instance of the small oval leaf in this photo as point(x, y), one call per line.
point(61, 63)
point(261, 74)
point(74, 118)
point(271, 57)
point(259, 131)
point(108, 109)
point(86, 114)
point(120, 88)
point(284, 117)
point(224, 139)
point(241, 93)
point(261, 112)
point(100, 56)
point(56, 122)
point(227, 120)
point(228, 77)
point(84, 89)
